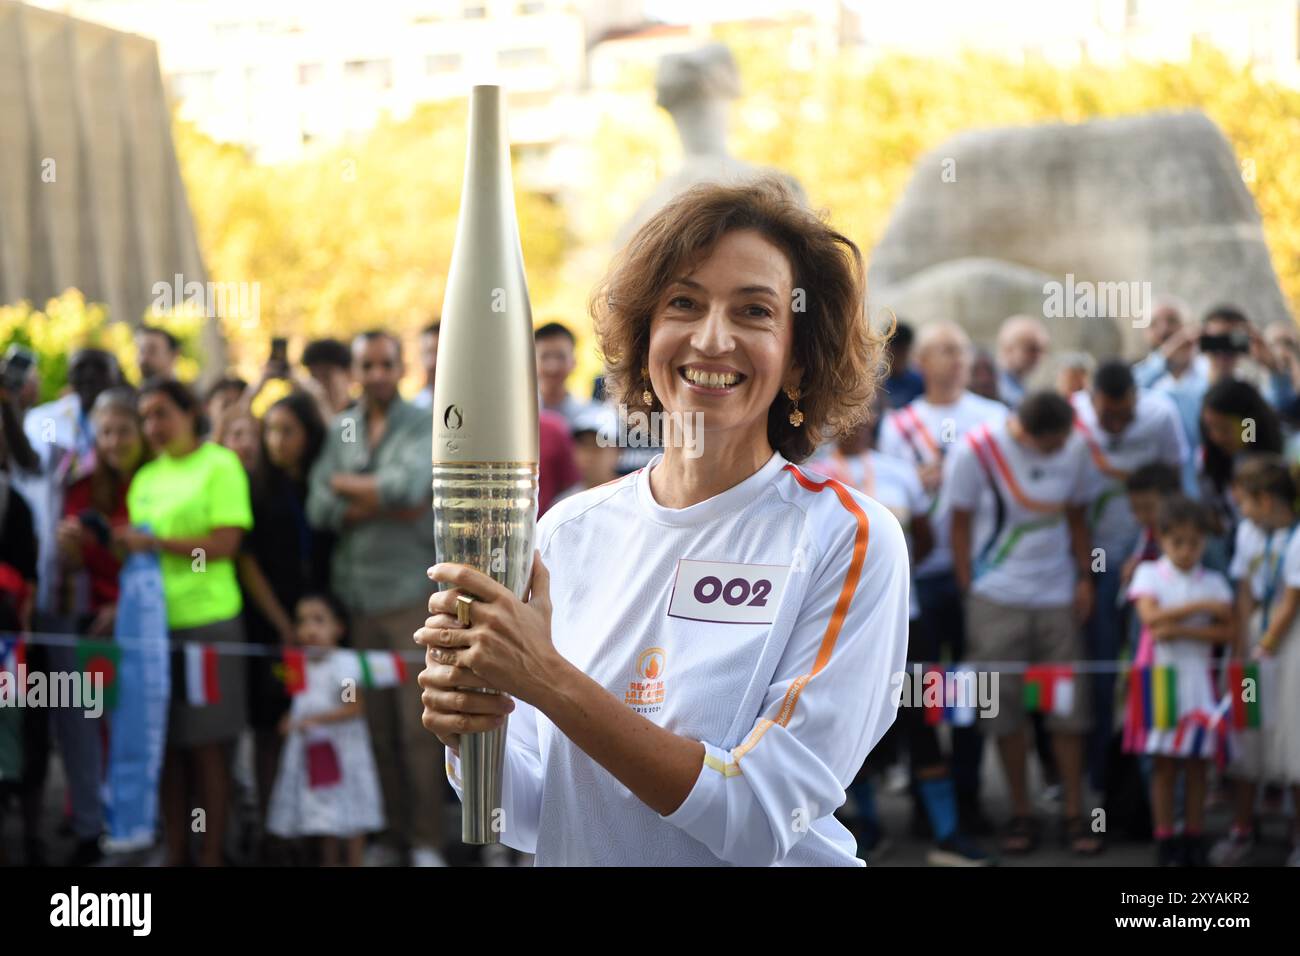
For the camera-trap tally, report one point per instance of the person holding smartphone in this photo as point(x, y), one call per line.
point(93, 507)
point(62, 435)
point(22, 380)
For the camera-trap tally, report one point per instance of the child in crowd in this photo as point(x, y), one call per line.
point(1185, 610)
point(1148, 488)
point(1266, 564)
point(596, 449)
point(327, 785)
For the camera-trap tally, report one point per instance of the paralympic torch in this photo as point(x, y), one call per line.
point(485, 416)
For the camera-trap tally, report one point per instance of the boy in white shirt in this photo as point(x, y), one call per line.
point(1021, 552)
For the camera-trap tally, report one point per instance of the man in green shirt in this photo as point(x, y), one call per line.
point(371, 486)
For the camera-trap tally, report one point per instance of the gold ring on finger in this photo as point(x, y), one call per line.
point(463, 601)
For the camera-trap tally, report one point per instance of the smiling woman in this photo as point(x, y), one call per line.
point(799, 287)
point(705, 656)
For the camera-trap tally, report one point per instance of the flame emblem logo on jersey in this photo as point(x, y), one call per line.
point(645, 692)
point(651, 663)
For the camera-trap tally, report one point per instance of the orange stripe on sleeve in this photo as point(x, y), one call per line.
point(832, 633)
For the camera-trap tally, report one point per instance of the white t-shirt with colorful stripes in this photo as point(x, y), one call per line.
point(766, 622)
point(1021, 541)
point(1154, 435)
point(923, 433)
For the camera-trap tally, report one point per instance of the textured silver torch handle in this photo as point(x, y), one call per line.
point(485, 516)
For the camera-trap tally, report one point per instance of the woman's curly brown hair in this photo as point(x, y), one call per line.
point(833, 341)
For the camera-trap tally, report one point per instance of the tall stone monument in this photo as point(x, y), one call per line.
point(90, 192)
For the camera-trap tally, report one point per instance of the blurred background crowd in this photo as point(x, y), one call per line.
point(195, 191)
point(314, 519)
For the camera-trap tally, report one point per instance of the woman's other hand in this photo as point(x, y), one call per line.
point(451, 706)
point(508, 643)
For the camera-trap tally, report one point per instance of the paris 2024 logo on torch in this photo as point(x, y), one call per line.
point(453, 419)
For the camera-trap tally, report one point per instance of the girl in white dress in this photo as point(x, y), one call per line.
point(1185, 609)
point(1266, 561)
point(327, 785)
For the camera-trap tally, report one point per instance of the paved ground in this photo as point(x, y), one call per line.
point(894, 809)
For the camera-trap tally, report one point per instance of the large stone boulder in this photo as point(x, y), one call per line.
point(1153, 202)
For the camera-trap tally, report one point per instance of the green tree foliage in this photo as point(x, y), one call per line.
point(68, 322)
point(350, 238)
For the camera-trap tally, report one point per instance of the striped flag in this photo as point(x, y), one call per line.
point(381, 668)
point(1135, 721)
point(202, 687)
point(13, 653)
point(1158, 696)
point(294, 670)
point(960, 710)
point(935, 710)
point(1204, 722)
point(957, 697)
point(1243, 688)
point(1049, 688)
point(1037, 688)
point(1063, 692)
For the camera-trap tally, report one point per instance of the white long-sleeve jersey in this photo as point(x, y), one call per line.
point(767, 622)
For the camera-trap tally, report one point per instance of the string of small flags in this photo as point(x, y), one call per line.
point(371, 669)
point(1047, 688)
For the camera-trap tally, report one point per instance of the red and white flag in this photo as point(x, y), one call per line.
point(201, 685)
point(381, 668)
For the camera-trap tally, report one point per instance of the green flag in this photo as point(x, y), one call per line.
point(103, 658)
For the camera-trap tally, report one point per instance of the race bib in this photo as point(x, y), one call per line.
point(723, 592)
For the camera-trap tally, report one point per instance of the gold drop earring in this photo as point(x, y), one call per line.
point(796, 416)
point(647, 396)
